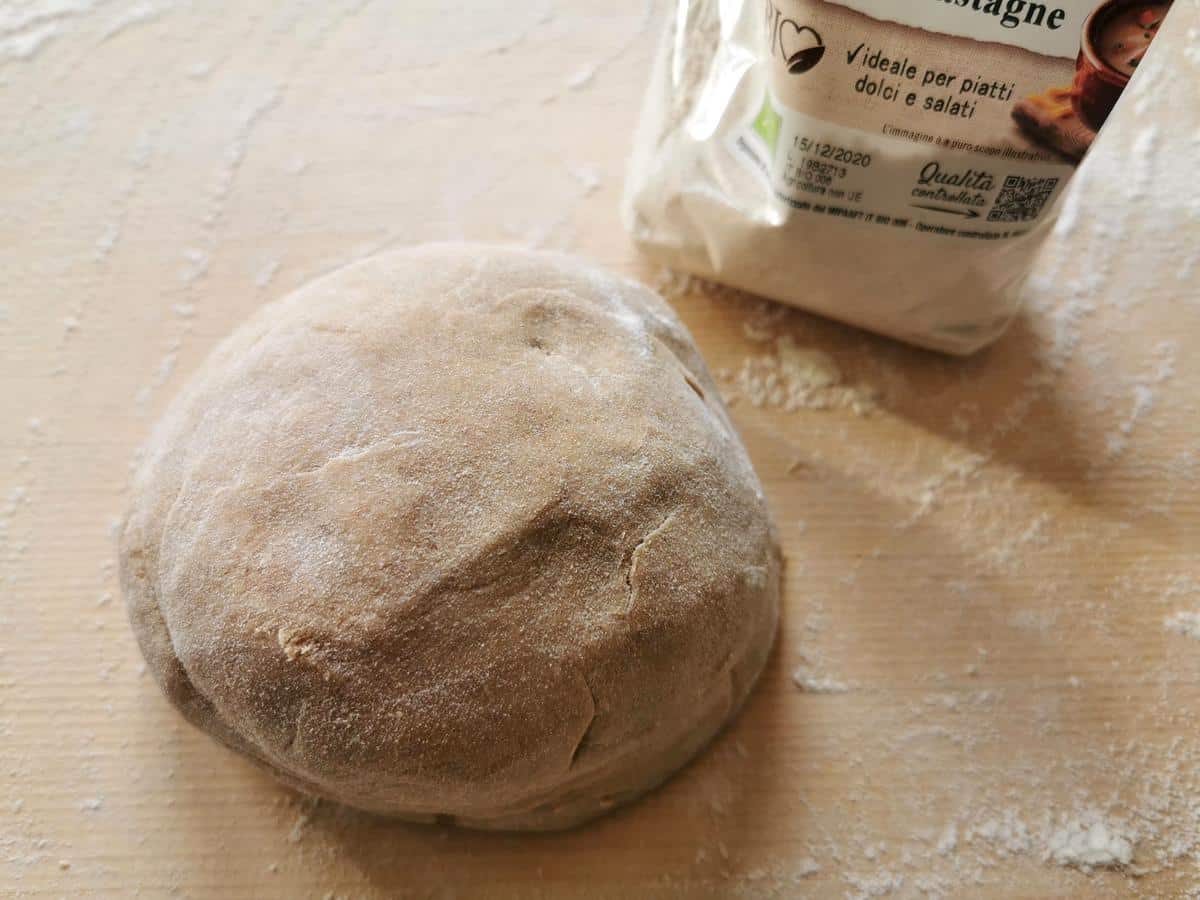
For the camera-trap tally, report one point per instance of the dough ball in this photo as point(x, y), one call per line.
point(457, 533)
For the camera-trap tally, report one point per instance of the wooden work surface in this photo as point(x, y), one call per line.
point(985, 574)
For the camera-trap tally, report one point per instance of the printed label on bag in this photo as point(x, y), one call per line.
point(820, 167)
point(956, 117)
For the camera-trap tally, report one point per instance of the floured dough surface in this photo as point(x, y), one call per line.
point(456, 532)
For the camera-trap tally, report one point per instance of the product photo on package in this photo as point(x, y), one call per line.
point(892, 165)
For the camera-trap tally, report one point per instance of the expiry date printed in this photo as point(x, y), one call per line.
point(1022, 199)
point(831, 152)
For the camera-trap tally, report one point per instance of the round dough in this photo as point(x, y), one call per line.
point(457, 533)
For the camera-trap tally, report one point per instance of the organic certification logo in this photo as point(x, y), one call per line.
point(767, 123)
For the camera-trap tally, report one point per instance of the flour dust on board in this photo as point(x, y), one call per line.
point(893, 165)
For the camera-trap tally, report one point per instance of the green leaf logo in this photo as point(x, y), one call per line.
point(767, 123)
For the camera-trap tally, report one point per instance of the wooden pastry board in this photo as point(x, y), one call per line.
point(987, 571)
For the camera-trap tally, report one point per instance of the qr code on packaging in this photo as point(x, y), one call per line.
point(1022, 199)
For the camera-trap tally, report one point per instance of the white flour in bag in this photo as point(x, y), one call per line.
point(893, 165)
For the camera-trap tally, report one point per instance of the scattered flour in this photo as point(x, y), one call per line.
point(1185, 622)
point(794, 378)
point(582, 78)
point(1008, 552)
point(1089, 842)
point(807, 867)
point(817, 684)
point(1142, 402)
point(16, 16)
point(198, 261)
point(675, 285)
point(879, 884)
point(108, 240)
point(1006, 833)
point(586, 176)
point(1040, 620)
point(266, 273)
point(296, 834)
point(135, 15)
point(248, 119)
point(199, 70)
point(948, 840)
point(26, 45)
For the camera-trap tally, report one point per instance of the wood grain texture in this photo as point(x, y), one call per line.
point(988, 563)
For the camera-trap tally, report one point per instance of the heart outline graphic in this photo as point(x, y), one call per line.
point(804, 58)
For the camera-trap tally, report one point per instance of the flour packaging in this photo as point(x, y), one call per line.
point(890, 163)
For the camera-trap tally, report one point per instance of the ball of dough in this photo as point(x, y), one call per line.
point(458, 533)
